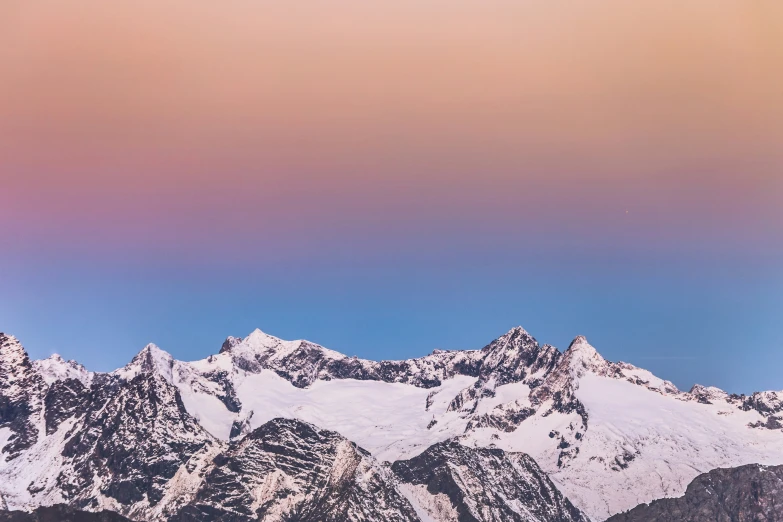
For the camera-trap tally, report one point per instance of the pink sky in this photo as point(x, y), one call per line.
point(131, 122)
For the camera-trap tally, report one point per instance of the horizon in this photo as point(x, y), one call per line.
point(432, 351)
point(388, 179)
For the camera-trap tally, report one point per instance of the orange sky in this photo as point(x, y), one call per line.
point(409, 102)
point(407, 173)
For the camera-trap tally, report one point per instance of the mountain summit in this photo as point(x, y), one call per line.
point(515, 430)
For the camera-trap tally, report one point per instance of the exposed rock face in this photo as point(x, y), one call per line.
point(707, 394)
point(288, 470)
point(63, 400)
point(303, 362)
point(21, 389)
point(516, 357)
point(511, 358)
point(92, 441)
point(131, 439)
point(483, 484)
point(750, 493)
point(203, 440)
point(60, 513)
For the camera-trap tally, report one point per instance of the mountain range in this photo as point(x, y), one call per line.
point(276, 430)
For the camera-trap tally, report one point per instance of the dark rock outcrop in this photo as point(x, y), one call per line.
point(288, 470)
point(133, 437)
point(488, 484)
point(21, 391)
point(750, 493)
point(60, 513)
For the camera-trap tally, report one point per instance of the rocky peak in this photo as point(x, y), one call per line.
point(260, 346)
point(151, 360)
point(16, 370)
point(560, 384)
point(514, 357)
point(515, 339)
point(707, 394)
point(131, 437)
point(582, 357)
point(21, 390)
point(510, 356)
point(13, 357)
point(766, 403)
point(581, 344)
point(259, 340)
point(229, 343)
point(54, 368)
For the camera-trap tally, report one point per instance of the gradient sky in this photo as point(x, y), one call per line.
point(385, 180)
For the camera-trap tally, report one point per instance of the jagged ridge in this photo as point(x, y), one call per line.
point(140, 440)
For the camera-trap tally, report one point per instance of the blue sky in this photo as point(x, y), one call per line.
point(687, 320)
point(390, 179)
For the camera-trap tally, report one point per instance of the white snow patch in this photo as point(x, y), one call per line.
point(664, 442)
point(55, 368)
point(388, 419)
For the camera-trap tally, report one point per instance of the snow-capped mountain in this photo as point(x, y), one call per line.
point(433, 438)
point(55, 368)
point(290, 470)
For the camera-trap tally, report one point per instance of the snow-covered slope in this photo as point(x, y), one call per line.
point(619, 436)
point(55, 368)
point(601, 430)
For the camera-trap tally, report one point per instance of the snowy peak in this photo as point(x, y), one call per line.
point(260, 346)
point(516, 339)
point(519, 333)
point(259, 340)
point(15, 364)
point(151, 360)
point(229, 343)
point(767, 403)
point(708, 394)
point(514, 356)
point(54, 368)
point(582, 357)
point(21, 390)
point(580, 345)
point(161, 438)
point(12, 353)
point(15, 367)
point(271, 347)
